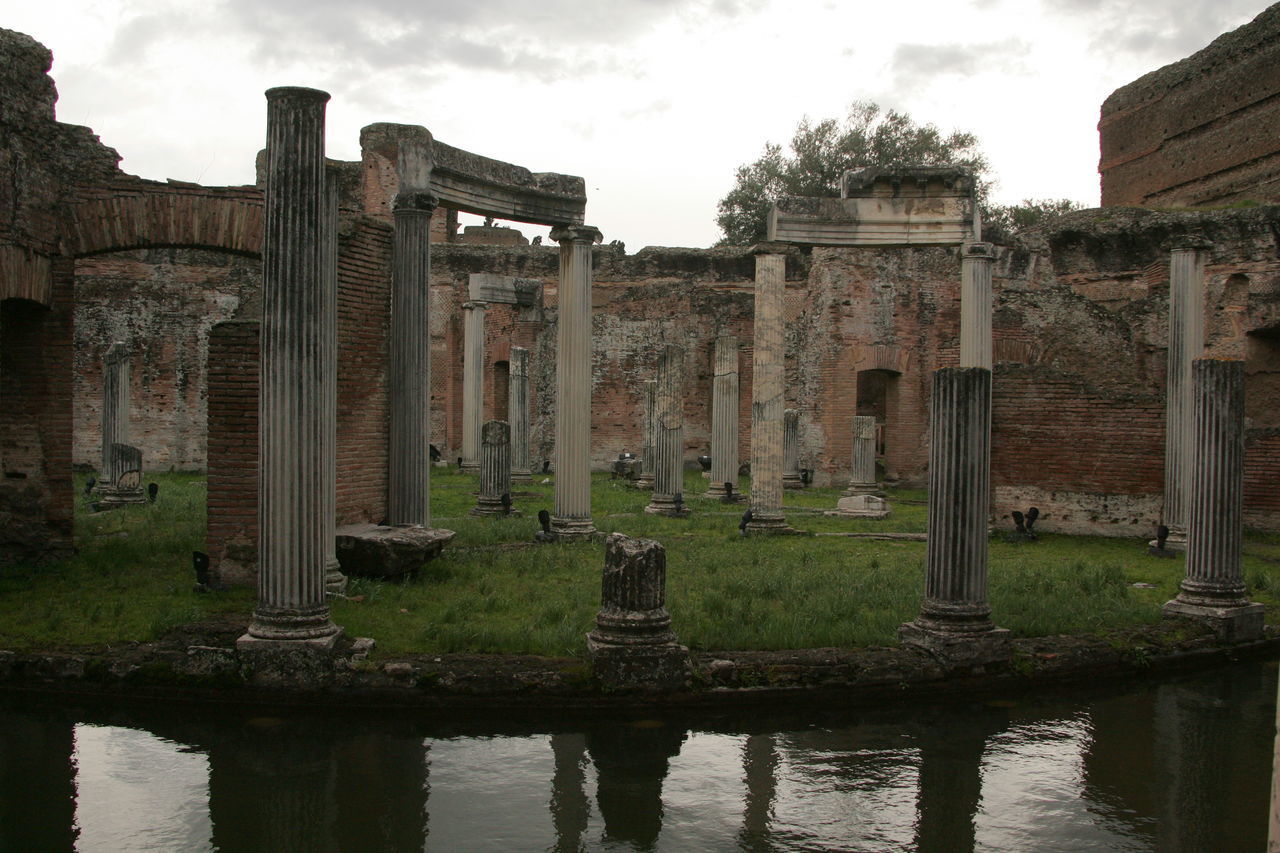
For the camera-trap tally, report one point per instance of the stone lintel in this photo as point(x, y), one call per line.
point(482, 185)
point(886, 221)
point(504, 289)
point(659, 667)
point(368, 550)
point(958, 649)
point(1238, 624)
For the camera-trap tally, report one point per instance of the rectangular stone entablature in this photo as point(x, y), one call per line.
point(482, 185)
point(872, 221)
point(507, 289)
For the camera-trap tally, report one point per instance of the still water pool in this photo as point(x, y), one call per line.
point(1174, 765)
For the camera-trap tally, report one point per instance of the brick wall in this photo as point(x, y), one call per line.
point(232, 504)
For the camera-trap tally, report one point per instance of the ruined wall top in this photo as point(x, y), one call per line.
point(1201, 131)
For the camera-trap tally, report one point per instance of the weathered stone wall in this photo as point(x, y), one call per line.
point(161, 303)
point(1202, 131)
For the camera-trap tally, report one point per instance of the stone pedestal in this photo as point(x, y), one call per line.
point(518, 412)
point(388, 553)
point(572, 518)
point(668, 467)
point(724, 417)
point(115, 407)
point(633, 644)
point(124, 467)
point(1213, 591)
point(1186, 342)
point(650, 391)
point(955, 620)
point(291, 548)
point(975, 304)
point(472, 382)
point(767, 392)
point(862, 471)
point(409, 458)
point(791, 478)
point(495, 470)
point(335, 582)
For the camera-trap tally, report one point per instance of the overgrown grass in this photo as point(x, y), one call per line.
point(494, 591)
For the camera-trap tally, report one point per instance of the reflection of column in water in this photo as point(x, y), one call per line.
point(37, 785)
point(759, 767)
point(382, 787)
point(631, 762)
point(570, 809)
point(271, 787)
point(950, 785)
point(1207, 730)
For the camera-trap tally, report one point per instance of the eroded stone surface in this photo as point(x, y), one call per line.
point(367, 550)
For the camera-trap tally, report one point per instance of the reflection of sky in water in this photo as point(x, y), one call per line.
point(135, 791)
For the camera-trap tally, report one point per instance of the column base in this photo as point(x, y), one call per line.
point(1238, 623)
point(958, 648)
point(291, 627)
point(469, 467)
point(115, 498)
point(572, 529)
point(1177, 541)
point(250, 643)
point(666, 506)
point(644, 481)
point(335, 582)
point(639, 667)
point(856, 489)
point(484, 508)
point(525, 476)
point(772, 525)
point(792, 481)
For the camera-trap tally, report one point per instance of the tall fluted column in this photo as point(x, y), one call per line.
point(975, 305)
point(409, 475)
point(495, 469)
point(291, 420)
point(518, 413)
point(668, 469)
point(955, 619)
point(791, 450)
point(724, 417)
point(862, 474)
point(1213, 590)
point(1186, 342)
point(572, 518)
point(645, 480)
point(115, 406)
point(472, 381)
point(767, 389)
point(334, 580)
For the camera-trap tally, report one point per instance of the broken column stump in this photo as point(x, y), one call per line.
point(633, 645)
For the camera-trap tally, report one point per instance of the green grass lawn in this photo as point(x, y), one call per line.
point(493, 590)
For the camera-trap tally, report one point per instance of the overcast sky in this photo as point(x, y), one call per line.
point(654, 102)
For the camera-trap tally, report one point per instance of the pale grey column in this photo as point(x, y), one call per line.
point(1213, 590)
point(668, 468)
point(975, 305)
point(334, 580)
point(724, 417)
point(115, 406)
point(862, 473)
point(518, 413)
point(791, 450)
point(767, 391)
point(645, 480)
point(572, 518)
point(1186, 342)
point(955, 619)
point(291, 420)
point(472, 381)
point(495, 469)
point(409, 459)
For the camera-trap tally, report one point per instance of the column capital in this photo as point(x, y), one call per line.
point(979, 249)
point(1188, 243)
point(576, 234)
point(770, 248)
point(297, 94)
point(418, 202)
point(473, 304)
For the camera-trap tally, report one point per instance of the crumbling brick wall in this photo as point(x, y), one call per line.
point(1202, 131)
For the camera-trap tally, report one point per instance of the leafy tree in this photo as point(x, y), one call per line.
point(821, 153)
